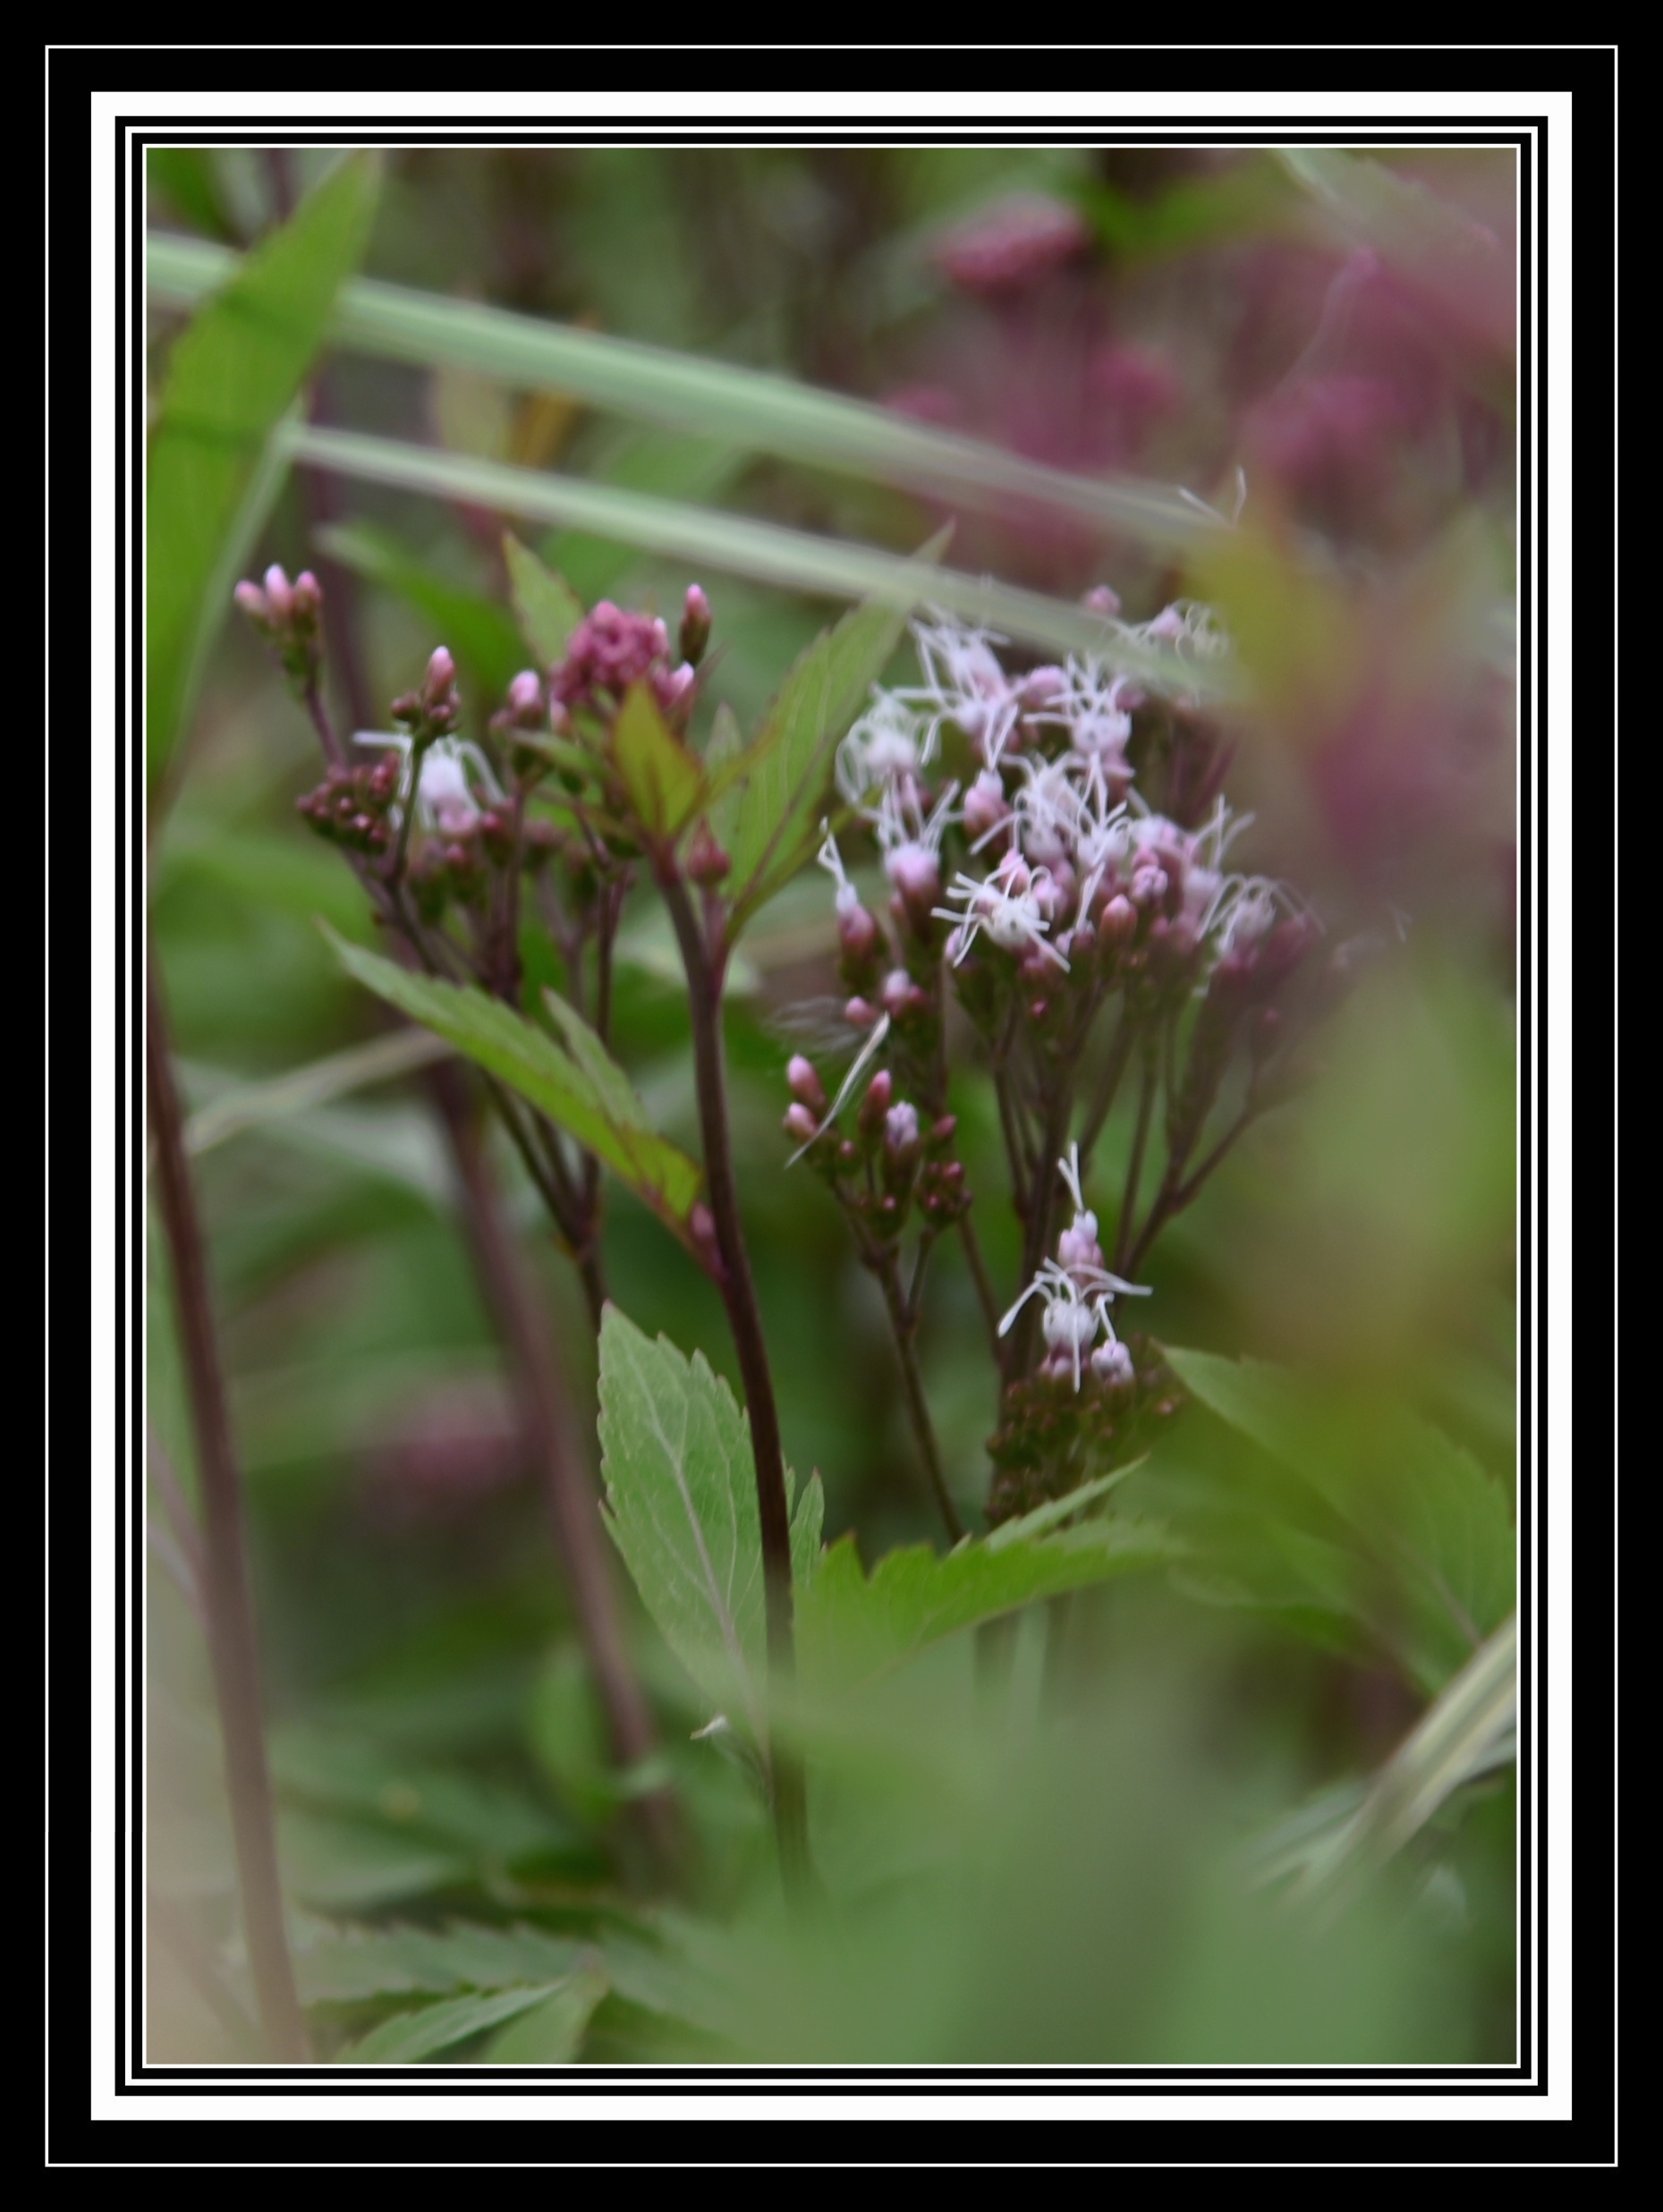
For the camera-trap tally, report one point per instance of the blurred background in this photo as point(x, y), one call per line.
point(1337, 376)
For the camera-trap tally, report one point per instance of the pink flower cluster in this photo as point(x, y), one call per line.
point(608, 652)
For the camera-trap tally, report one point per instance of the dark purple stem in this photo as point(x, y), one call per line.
point(233, 1645)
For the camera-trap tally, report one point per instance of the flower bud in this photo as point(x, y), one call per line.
point(985, 806)
point(916, 874)
point(799, 1125)
point(1118, 921)
point(941, 1132)
point(1101, 600)
point(525, 698)
point(441, 675)
point(306, 598)
point(278, 594)
point(875, 1106)
point(707, 865)
point(858, 934)
point(901, 1138)
point(252, 599)
point(1111, 1363)
point(806, 1087)
point(859, 1015)
point(695, 625)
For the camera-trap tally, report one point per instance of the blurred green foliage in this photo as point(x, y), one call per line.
point(1053, 1866)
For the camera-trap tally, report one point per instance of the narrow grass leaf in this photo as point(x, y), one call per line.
point(548, 608)
point(231, 377)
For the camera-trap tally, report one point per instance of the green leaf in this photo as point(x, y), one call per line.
point(440, 2027)
point(853, 1628)
point(604, 1116)
point(483, 638)
point(251, 1106)
point(548, 608)
point(790, 757)
point(663, 779)
point(1435, 1528)
point(232, 375)
point(785, 559)
point(185, 176)
point(552, 2032)
point(681, 1506)
point(349, 1965)
point(745, 408)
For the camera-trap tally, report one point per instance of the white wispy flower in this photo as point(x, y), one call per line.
point(1078, 1290)
point(444, 799)
point(965, 683)
point(885, 751)
point(1011, 905)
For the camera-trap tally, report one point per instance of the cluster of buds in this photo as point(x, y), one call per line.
point(891, 1165)
point(356, 807)
point(610, 649)
point(1051, 1439)
point(288, 616)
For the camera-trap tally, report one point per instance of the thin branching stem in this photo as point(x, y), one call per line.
point(979, 1275)
point(232, 1642)
point(1134, 1169)
point(904, 1327)
point(703, 971)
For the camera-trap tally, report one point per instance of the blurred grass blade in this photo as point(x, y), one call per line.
point(210, 476)
point(767, 552)
point(440, 2027)
point(1454, 1740)
point(763, 413)
point(251, 1104)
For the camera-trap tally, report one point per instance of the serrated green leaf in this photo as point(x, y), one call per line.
point(681, 1506)
point(440, 2027)
point(552, 2032)
point(477, 630)
point(789, 760)
point(544, 1072)
point(548, 608)
point(232, 375)
point(853, 1628)
point(1434, 1526)
point(663, 779)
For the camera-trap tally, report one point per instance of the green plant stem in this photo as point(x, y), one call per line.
point(904, 1324)
point(545, 1408)
point(232, 1643)
point(744, 1315)
point(979, 1275)
point(1174, 1195)
point(1134, 1171)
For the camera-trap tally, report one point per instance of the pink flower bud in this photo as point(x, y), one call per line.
point(525, 696)
point(901, 1138)
point(1167, 625)
point(857, 931)
point(695, 625)
point(806, 1087)
point(707, 864)
point(1112, 1365)
point(985, 806)
point(1118, 920)
point(799, 1125)
point(441, 674)
point(896, 994)
point(1078, 1248)
point(916, 874)
point(859, 1015)
point(252, 599)
point(277, 593)
point(306, 600)
point(875, 1106)
point(1101, 600)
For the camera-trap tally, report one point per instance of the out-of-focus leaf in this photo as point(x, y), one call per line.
point(707, 537)
point(726, 791)
point(348, 1965)
point(787, 765)
point(1456, 1740)
point(663, 779)
point(681, 1506)
point(251, 1104)
point(546, 1074)
point(440, 2027)
point(548, 608)
point(185, 176)
point(284, 874)
point(1433, 1522)
point(853, 1628)
point(231, 377)
point(667, 463)
point(552, 2032)
point(745, 408)
point(482, 637)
